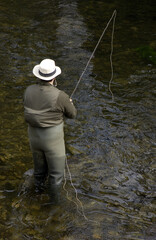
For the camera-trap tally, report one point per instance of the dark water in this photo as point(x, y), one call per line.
point(110, 146)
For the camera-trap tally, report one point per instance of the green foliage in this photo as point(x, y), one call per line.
point(147, 53)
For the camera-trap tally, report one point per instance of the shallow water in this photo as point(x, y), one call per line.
point(110, 146)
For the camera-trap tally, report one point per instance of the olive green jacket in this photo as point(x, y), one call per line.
point(46, 105)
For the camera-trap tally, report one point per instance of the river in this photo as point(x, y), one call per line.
point(110, 145)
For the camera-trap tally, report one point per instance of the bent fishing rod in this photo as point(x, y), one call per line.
point(112, 17)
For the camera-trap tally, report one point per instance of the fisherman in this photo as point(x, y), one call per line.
point(45, 107)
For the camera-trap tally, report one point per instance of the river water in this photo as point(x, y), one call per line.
point(110, 145)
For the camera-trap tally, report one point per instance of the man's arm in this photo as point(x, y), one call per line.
point(66, 105)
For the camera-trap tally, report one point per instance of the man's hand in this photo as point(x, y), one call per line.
point(71, 100)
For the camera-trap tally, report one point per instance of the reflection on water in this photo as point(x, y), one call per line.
point(110, 146)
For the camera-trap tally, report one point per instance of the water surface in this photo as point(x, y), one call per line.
point(111, 144)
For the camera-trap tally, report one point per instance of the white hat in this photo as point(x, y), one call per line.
point(46, 70)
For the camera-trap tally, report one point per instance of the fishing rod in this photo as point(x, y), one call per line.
point(113, 16)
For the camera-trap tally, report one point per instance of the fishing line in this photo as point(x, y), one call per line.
point(65, 182)
point(113, 16)
point(111, 54)
point(76, 194)
point(111, 62)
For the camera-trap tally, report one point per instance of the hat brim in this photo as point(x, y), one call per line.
point(37, 74)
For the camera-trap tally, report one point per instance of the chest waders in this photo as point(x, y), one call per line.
point(48, 149)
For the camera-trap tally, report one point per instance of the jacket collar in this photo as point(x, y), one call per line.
point(44, 83)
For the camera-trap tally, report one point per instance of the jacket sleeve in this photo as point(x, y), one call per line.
point(66, 106)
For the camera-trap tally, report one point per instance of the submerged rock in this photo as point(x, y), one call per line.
point(28, 182)
point(29, 172)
